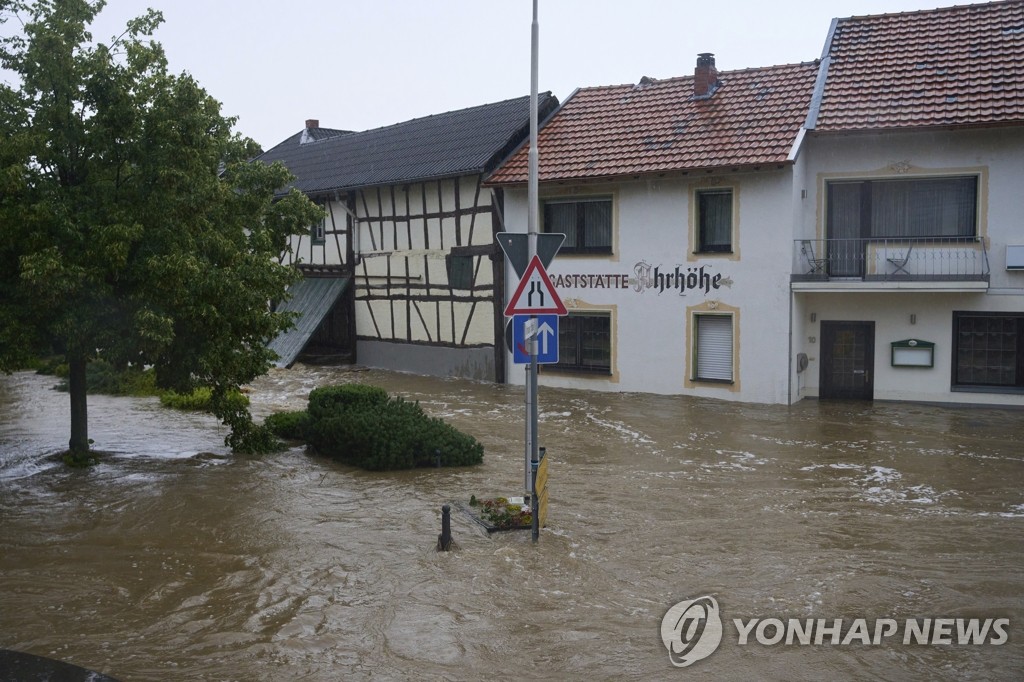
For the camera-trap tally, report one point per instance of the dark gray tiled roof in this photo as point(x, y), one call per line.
point(470, 140)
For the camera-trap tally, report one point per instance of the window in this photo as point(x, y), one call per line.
point(318, 233)
point(907, 207)
point(585, 343)
point(714, 220)
point(989, 350)
point(713, 347)
point(586, 223)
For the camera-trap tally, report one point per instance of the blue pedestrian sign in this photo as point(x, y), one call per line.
point(545, 328)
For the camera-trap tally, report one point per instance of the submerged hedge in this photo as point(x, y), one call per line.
point(363, 426)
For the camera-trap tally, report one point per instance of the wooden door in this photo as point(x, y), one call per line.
point(847, 360)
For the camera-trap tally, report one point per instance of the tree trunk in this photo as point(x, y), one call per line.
point(79, 442)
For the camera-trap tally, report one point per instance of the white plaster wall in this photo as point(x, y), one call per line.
point(802, 202)
point(891, 314)
point(650, 328)
point(999, 155)
point(998, 151)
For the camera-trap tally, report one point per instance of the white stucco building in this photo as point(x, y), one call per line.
point(847, 228)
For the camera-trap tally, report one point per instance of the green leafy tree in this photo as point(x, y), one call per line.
point(132, 227)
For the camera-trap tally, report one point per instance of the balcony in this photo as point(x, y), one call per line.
point(882, 264)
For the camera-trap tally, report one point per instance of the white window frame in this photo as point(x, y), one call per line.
point(319, 231)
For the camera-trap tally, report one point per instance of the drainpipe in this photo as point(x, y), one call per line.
point(789, 364)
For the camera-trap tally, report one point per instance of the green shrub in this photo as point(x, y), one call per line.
point(200, 399)
point(362, 426)
point(52, 365)
point(102, 377)
point(290, 425)
point(326, 401)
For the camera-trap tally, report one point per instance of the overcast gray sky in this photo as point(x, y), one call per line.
point(360, 64)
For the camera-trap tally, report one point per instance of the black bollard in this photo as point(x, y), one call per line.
point(444, 540)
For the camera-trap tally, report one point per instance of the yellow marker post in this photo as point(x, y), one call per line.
point(539, 500)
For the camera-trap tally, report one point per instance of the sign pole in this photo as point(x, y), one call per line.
point(533, 219)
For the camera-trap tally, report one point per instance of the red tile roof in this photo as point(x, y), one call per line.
point(751, 119)
point(946, 67)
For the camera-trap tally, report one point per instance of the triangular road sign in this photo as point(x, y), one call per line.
point(516, 247)
point(535, 294)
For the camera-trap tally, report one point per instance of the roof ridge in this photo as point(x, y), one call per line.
point(450, 113)
point(651, 80)
point(934, 10)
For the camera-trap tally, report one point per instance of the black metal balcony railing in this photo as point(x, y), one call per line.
point(891, 259)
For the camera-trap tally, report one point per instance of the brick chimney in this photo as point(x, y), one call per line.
point(315, 122)
point(705, 76)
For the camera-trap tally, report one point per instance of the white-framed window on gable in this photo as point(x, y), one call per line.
point(586, 222)
point(713, 347)
point(318, 231)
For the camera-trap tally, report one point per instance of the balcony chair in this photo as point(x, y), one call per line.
point(900, 262)
point(816, 265)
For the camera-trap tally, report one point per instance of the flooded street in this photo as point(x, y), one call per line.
point(173, 560)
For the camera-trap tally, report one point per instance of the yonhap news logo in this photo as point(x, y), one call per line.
point(866, 631)
point(692, 630)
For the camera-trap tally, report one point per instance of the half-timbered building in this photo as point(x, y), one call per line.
point(403, 272)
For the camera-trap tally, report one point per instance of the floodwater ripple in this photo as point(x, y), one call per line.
point(173, 560)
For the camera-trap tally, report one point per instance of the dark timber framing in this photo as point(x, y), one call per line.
point(397, 237)
point(391, 230)
point(409, 218)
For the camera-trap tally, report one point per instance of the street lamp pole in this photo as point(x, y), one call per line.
point(533, 218)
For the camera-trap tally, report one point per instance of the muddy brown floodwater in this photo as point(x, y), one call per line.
point(172, 560)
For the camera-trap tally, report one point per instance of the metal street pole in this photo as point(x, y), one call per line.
point(533, 219)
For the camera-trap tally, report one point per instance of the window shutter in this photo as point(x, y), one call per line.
point(460, 271)
point(714, 347)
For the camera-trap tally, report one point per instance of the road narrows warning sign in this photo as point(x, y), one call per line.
point(535, 294)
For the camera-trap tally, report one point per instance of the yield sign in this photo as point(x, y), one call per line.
point(535, 294)
point(516, 247)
